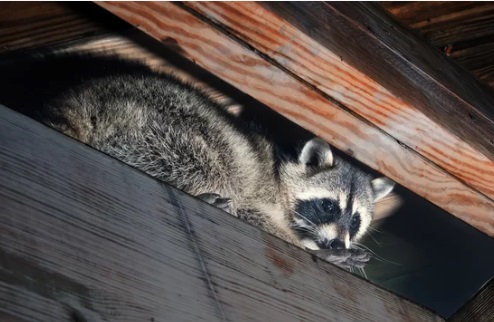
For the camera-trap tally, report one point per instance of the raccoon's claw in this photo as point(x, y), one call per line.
point(345, 258)
point(216, 200)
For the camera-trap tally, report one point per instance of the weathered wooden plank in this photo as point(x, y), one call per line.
point(445, 22)
point(480, 308)
point(486, 74)
point(86, 235)
point(47, 26)
point(423, 14)
point(463, 30)
point(34, 24)
point(321, 68)
point(238, 65)
point(475, 56)
point(401, 62)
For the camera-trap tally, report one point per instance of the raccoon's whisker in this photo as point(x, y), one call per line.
point(362, 247)
point(374, 239)
point(309, 229)
point(302, 216)
point(299, 214)
point(362, 270)
point(375, 229)
point(379, 258)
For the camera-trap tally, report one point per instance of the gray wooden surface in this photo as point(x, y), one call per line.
point(84, 237)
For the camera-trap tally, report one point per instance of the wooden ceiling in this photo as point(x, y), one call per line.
point(463, 30)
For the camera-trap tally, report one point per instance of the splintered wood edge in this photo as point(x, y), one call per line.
point(210, 47)
point(86, 235)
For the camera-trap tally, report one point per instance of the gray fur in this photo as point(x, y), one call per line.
point(175, 133)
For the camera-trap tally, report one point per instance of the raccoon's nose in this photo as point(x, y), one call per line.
point(331, 244)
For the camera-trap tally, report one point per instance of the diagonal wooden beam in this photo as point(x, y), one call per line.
point(480, 308)
point(318, 66)
point(222, 53)
point(85, 237)
point(369, 39)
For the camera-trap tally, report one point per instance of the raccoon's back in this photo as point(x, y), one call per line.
point(151, 121)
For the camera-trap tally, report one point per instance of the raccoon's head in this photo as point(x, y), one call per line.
point(331, 202)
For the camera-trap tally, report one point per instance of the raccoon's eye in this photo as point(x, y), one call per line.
point(355, 223)
point(327, 205)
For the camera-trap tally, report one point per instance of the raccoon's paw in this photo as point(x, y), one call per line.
point(345, 258)
point(358, 258)
point(216, 200)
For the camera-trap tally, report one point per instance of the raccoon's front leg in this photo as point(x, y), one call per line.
point(345, 258)
point(217, 201)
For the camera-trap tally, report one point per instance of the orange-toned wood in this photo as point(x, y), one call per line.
point(364, 35)
point(236, 63)
point(320, 67)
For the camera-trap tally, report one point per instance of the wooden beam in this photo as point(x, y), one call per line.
point(463, 30)
point(61, 27)
point(85, 237)
point(35, 24)
point(320, 67)
point(480, 308)
point(406, 65)
point(220, 51)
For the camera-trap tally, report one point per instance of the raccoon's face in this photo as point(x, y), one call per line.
point(331, 201)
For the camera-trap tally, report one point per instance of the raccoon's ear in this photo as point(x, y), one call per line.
point(381, 187)
point(316, 153)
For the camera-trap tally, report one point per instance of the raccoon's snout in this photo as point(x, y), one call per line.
point(331, 244)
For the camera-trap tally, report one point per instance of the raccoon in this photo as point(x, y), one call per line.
point(176, 133)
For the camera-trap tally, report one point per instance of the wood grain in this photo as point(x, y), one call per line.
point(34, 24)
point(445, 22)
point(59, 27)
point(85, 235)
point(466, 28)
point(318, 66)
point(401, 62)
point(244, 69)
point(418, 14)
point(340, 80)
point(480, 308)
